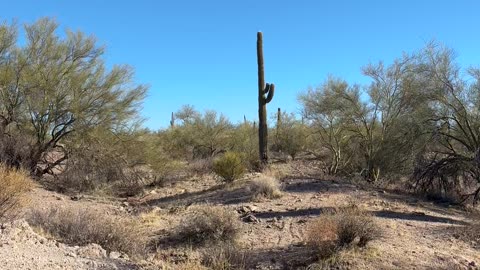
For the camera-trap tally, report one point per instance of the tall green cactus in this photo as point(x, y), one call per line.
point(265, 95)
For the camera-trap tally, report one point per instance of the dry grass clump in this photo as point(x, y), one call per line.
point(14, 184)
point(230, 166)
point(345, 228)
point(224, 257)
point(265, 187)
point(83, 227)
point(210, 225)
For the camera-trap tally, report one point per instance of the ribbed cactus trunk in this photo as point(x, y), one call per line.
point(265, 95)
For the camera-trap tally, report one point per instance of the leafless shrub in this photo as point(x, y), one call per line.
point(224, 257)
point(265, 187)
point(210, 225)
point(83, 227)
point(15, 150)
point(200, 167)
point(333, 232)
point(89, 169)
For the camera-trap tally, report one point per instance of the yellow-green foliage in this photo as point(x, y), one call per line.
point(229, 166)
point(14, 184)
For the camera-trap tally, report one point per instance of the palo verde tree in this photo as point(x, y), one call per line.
point(54, 87)
point(450, 164)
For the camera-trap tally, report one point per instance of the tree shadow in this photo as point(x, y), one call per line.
point(416, 216)
point(439, 206)
point(220, 194)
point(295, 213)
point(296, 256)
point(311, 212)
point(314, 184)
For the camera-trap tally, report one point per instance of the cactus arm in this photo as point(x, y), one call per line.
point(271, 91)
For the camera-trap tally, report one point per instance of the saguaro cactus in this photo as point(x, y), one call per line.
point(172, 121)
point(265, 95)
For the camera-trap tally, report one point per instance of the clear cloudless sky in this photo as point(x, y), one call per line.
point(203, 53)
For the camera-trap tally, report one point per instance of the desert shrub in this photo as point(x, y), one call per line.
point(229, 166)
point(333, 232)
point(322, 235)
point(83, 227)
point(210, 224)
point(224, 257)
point(103, 161)
point(244, 139)
point(354, 224)
point(15, 149)
point(265, 187)
point(199, 167)
point(14, 184)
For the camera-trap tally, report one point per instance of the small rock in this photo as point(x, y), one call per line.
point(70, 254)
point(268, 226)
point(125, 204)
point(472, 263)
point(114, 255)
point(75, 198)
point(251, 219)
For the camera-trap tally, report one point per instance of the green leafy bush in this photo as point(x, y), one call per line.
point(229, 166)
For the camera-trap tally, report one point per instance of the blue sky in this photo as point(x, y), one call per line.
point(203, 52)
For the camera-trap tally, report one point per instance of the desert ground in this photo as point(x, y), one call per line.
point(416, 233)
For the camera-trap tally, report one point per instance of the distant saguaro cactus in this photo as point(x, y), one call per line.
point(265, 95)
point(172, 121)
point(279, 123)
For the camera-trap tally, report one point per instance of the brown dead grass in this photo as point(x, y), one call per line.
point(224, 257)
point(210, 225)
point(14, 185)
point(83, 227)
point(343, 229)
point(265, 187)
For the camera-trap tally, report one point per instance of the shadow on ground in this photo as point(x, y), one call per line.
point(291, 257)
point(312, 184)
point(310, 212)
point(220, 194)
point(416, 216)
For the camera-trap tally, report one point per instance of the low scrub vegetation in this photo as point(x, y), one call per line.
point(343, 229)
point(14, 186)
point(83, 227)
point(210, 225)
point(224, 257)
point(265, 187)
point(230, 166)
